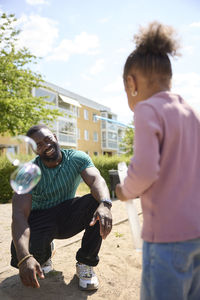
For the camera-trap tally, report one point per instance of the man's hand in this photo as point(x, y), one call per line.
point(119, 192)
point(28, 271)
point(104, 216)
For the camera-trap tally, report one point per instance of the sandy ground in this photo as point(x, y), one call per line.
point(119, 270)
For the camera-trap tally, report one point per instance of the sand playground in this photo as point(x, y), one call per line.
point(119, 270)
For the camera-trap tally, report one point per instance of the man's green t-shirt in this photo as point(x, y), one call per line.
point(60, 183)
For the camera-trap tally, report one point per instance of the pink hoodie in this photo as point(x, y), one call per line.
point(165, 168)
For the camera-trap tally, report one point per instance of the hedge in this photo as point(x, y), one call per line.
point(103, 163)
point(6, 169)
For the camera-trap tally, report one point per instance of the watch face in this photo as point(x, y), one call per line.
point(107, 201)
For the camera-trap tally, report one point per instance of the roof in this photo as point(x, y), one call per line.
point(82, 100)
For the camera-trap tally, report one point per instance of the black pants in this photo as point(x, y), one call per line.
point(61, 222)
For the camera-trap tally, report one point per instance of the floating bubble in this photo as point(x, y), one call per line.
point(20, 150)
point(27, 175)
point(25, 178)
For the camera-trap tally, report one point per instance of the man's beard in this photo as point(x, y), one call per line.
point(54, 156)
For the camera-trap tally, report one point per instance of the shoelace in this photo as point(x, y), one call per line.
point(86, 271)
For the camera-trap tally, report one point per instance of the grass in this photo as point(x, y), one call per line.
point(117, 234)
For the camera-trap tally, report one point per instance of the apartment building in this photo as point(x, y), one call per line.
point(81, 126)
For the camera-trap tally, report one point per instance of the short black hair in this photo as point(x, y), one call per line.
point(35, 129)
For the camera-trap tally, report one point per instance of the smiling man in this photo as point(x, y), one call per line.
point(51, 211)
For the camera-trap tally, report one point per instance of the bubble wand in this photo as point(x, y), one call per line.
point(132, 211)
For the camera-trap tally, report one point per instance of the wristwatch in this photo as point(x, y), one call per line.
point(108, 201)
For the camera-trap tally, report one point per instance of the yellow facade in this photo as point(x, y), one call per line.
point(18, 145)
point(89, 131)
point(78, 128)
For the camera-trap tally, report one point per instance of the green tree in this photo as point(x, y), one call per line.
point(127, 143)
point(19, 109)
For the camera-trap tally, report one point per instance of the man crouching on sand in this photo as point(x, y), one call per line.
point(51, 211)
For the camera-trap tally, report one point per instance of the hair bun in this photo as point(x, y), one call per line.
point(157, 39)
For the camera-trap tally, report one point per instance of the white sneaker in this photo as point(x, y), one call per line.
point(47, 266)
point(87, 278)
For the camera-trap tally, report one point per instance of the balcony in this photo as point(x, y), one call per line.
point(68, 113)
point(109, 145)
point(67, 140)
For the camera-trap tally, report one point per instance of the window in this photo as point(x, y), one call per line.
point(103, 136)
point(86, 135)
point(50, 97)
point(86, 115)
point(78, 112)
point(67, 127)
point(112, 136)
point(78, 134)
point(95, 136)
point(95, 153)
point(94, 118)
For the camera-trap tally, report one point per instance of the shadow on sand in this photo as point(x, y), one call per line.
point(53, 287)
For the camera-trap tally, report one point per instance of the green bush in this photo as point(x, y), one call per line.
point(6, 168)
point(105, 163)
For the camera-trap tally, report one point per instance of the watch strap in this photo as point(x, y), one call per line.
point(108, 201)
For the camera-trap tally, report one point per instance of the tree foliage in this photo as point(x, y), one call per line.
point(19, 109)
point(127, 143)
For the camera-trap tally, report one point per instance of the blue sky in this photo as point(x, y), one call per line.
point(84, 43)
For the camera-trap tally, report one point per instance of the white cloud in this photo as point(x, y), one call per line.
point(187, 85)
point(36, 2)
point(195, 24)
point(97, 67)
point(86, 77)
point(116, 86)
point(104, 20)
point(187, 50)
point(122, 50)
point(38, 34)
point(83, 43)
point(116, 103)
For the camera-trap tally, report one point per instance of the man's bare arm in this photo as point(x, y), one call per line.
point(96, 182)
point(99, 191)
point(21, 207)
point(28, 267)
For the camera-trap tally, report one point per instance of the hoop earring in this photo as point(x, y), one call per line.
point(133, 94)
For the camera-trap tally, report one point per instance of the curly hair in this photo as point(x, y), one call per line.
point(154, 44)
point(35, 129)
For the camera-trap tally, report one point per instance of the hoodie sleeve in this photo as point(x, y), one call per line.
point(144, 167)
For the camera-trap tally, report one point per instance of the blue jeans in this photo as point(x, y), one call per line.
point(171, 271)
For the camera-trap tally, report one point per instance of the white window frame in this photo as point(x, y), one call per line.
point(94, 118)
point(86, 114)
point(95, 139)
point(86, 135)
point(78, 134)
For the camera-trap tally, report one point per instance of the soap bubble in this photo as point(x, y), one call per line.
point(20, 150)
point(27, 174)
point(25, 178)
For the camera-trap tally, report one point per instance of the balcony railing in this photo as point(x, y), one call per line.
point(67, 139)
point(68, 113)
point(109, 145)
